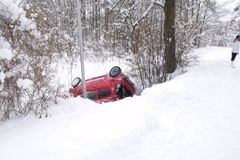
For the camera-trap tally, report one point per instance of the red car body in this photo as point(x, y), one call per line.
point(106, 88)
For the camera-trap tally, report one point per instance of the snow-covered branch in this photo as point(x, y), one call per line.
point(153, 3)
point(10, 10)
point(159, 4)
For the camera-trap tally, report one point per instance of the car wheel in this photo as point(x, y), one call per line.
point(115, 71)
point(76, 82)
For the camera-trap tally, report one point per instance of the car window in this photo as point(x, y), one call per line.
point(104, 93)
point(92, 95)
point(127, 92)
point(119, 91)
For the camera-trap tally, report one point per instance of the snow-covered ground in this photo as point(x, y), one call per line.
point(195, 116)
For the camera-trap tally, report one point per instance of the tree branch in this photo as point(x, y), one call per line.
point(147, 11)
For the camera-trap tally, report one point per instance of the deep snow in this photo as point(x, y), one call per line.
point(195, 116)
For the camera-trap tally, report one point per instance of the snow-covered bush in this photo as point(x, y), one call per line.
point(31, 42)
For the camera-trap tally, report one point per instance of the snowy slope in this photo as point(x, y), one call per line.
point(192, 117)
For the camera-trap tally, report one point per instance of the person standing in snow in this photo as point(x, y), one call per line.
point(235, 49)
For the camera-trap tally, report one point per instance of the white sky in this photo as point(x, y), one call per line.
point(227, 9)
point(230, 4)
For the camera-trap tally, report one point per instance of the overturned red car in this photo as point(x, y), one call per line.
point(106, 88)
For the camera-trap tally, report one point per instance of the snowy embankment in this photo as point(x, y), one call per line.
point(192, 117)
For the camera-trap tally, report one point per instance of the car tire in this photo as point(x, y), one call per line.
point(115, 71)
point(75, 82)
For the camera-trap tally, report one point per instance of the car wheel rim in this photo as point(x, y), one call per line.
point(76, 81)
point(114, 71)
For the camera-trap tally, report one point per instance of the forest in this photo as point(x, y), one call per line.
point(153, 37)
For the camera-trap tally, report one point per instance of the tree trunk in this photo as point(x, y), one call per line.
point(169, 37)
